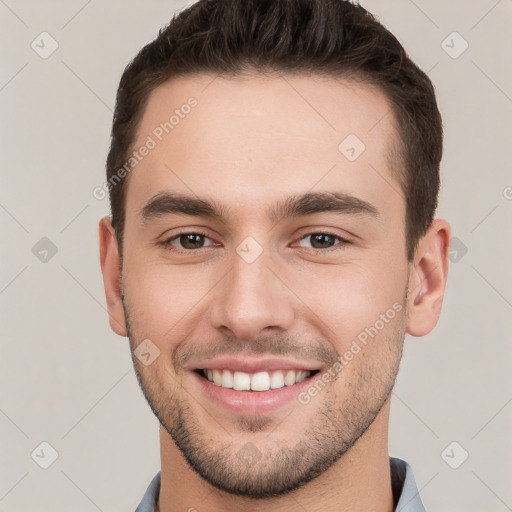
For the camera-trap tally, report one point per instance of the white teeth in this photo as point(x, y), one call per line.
point(227, 379)
point(289, 378)
point(241, 381)
point(301, 376)
point(217, 377)
point(277, 380)
point(259, 381)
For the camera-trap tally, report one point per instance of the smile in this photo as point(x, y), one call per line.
point(258, 381)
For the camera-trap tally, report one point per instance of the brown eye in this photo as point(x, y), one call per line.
point(188, 241)
point(321, 241)
point(191, 241)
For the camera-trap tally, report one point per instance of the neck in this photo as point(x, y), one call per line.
point(360, 480)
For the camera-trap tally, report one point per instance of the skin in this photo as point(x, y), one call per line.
point(250, 142)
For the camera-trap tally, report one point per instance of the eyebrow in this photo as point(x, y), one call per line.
point(166, 203)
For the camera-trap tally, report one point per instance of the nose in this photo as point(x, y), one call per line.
point(252, 299)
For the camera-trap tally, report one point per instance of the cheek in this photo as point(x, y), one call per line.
point(350, 299)
point(162, 299)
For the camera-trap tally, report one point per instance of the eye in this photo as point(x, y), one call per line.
point(188, 241)
point(322, 241)
point(193, 240)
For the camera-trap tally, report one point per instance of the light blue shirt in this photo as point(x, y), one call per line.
point(405, 491)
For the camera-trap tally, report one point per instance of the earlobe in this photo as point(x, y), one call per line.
point(427, 281)
point(111, 270)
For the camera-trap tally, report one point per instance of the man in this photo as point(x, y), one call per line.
point(273, 177)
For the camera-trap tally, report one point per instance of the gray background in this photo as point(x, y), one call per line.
point(67, 380)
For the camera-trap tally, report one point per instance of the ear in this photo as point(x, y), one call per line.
point(427, 279)
point(111, 269)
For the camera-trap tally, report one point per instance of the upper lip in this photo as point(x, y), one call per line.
point(255, 365)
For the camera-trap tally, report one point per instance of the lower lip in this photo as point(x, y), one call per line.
point(255, 402)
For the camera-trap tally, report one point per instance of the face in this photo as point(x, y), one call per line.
point(262, 248)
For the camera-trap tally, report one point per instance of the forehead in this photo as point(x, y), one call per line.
point(257, 138)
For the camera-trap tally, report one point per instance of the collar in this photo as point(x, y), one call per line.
point(405, 492)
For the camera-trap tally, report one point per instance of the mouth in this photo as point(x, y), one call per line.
point(252, 386)
point(261, 381)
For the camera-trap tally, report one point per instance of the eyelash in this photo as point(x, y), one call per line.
point(341, 245)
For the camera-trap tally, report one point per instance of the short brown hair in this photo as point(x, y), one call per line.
point(333, 37)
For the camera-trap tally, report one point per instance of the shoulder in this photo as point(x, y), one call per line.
point(151, 496)
point(405, 490)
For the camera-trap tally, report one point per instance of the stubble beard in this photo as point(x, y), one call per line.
point(257, 471)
